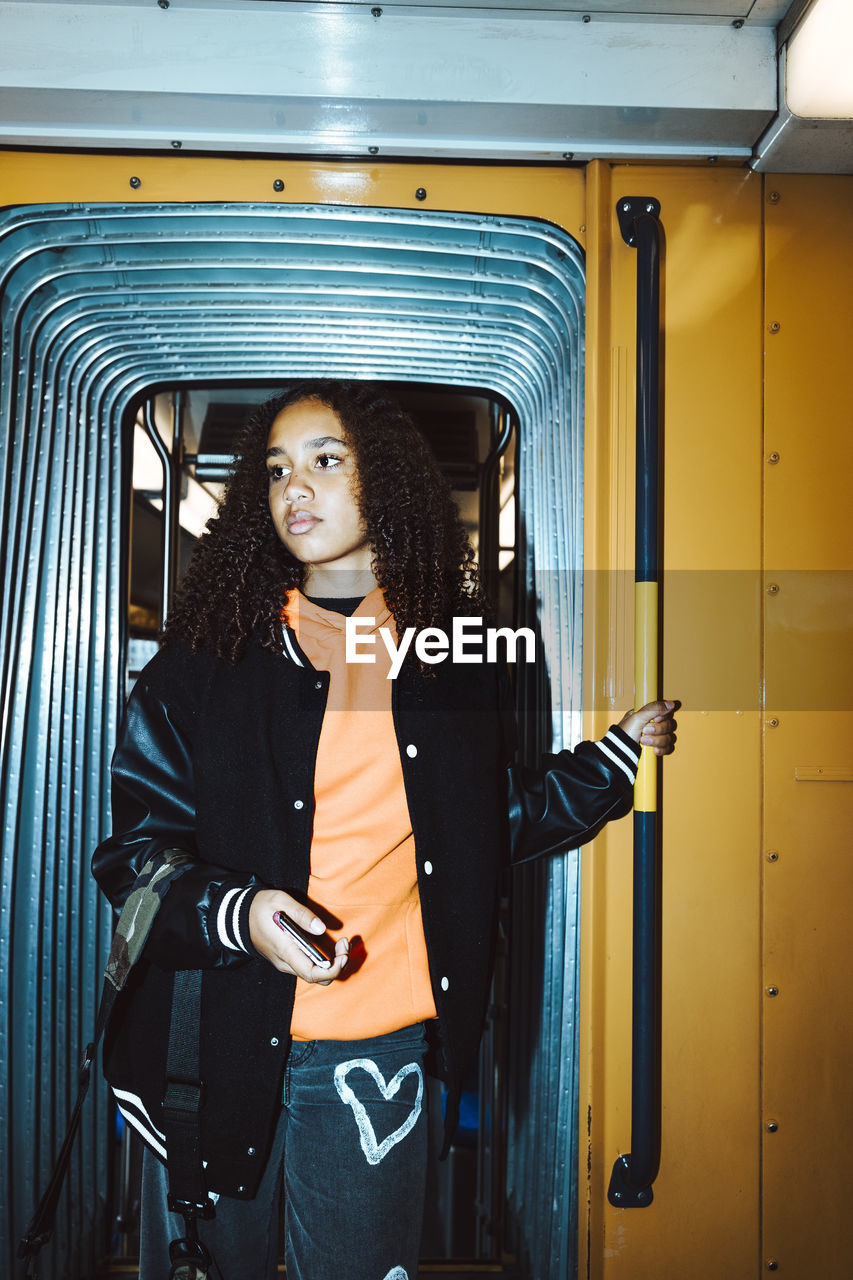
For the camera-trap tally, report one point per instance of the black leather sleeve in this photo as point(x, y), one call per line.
point(203, 919)
point(566, 799)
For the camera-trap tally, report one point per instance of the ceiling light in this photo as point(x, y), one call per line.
point(819, 83)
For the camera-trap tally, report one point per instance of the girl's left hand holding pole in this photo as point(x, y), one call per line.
point(652, 726)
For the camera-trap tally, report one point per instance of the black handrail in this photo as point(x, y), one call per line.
point(633, 1173)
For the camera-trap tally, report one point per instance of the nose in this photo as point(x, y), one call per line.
point(297, 487)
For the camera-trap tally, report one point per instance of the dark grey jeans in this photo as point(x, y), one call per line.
point(351, 1143)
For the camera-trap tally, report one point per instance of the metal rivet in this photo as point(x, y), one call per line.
point(772, 856)
point(278, 185)
point(772, 1126)
point(626, 206)
point(568, 155)
point(617, 1195)
point(774, 326)
point(650, 208)
point(136, 182)
point(712, 159)
point(373, 151)
point(774, 197)
point(737, 24)
point(298, 804)
point(274, 1041)
point(318, 684)
point(251, 1151)
point(773, 589)
point(586, 18)
point(177, 145)
point(164, 4)
point(772, 991)
point(239, 1189)
point(772, 1264)
point(420, 194)
point(773, 458)
point(377, 12)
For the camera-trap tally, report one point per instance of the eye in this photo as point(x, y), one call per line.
point(328, 461)
point(277, 472)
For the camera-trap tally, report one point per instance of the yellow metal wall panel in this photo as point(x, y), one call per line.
point(807, 1058)
point(704, 1218)
point(44, 177)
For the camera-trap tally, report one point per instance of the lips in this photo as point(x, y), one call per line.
point(301, 522)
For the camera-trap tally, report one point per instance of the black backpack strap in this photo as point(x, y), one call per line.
point(132, 930)
point(183, 1100)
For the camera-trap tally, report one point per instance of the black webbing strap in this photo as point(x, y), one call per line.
point(183, 1100)
point(132, 930)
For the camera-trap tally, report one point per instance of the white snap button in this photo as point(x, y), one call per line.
point(251, 1151)
point(445, 983)
point(318, 684)
point(297, 804)
point(411, 750)
point(428, 868)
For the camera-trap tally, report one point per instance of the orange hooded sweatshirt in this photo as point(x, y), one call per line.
point(363, 872)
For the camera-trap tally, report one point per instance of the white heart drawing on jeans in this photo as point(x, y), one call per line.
point(397, 1273)
point(373, 1150)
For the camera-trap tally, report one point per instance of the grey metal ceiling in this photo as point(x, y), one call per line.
point(99, 305)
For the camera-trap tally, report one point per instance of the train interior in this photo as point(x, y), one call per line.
point(204, 201)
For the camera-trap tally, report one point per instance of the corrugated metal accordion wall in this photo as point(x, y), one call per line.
point(100, 304)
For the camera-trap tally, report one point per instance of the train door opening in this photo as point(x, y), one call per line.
point(112, 308)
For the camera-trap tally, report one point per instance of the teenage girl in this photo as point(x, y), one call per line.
point(309, 789)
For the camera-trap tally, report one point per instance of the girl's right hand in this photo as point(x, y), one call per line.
point(279, 948)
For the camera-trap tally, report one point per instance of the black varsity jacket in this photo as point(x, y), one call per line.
point(218, 760)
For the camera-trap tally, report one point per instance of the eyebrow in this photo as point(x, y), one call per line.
point(309, 444)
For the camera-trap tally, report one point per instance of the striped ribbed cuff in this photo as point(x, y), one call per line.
point(621, 750)
point(232, 919)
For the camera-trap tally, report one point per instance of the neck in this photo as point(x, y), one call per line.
point(338, 584)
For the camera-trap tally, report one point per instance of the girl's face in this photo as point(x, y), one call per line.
point(313, 491)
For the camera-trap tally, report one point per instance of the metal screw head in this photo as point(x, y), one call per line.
point(773, 458)
point(136, 182)
point(773, 722)
point(617, 1195)
point(376, 12)
point(772, 991)
point(421, 194)
point(772, 855)
point(278, 185)
point(772, 1264)
point(164, 4)
point(373, 151)
point(568, 155)
point(737, 24)
point(774, 326)
point(773, 589)
point(177, 145)
point(586, 18)
point(774, 197)
point(712, 159)
point(772, 1126)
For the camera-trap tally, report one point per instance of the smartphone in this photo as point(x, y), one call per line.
point(302, 940)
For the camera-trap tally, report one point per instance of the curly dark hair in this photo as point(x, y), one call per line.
point(240, 572)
